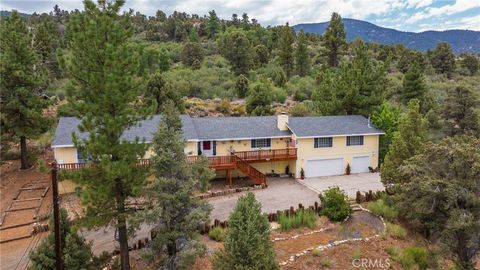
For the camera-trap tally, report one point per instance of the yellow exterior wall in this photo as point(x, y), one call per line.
point(223, 147)
point(191, 148)
point(306, 151)
point(65, 154)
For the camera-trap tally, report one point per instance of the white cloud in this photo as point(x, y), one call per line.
point(457, 7)
point(418, 3)
point(467, 23)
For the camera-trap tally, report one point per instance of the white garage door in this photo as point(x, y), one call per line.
point(324, 167)
point(360, 164)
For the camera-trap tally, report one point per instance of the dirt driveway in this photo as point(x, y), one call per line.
point(280, 194)
point(349, 183)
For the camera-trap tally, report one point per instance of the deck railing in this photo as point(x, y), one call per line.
point(267, 155)
point(216, 162)
point(82, 165)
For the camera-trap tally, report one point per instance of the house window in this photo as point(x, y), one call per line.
point(354, 140)
point(261, 143)
point(323, 142)
point(79, 157)
point(206, 145)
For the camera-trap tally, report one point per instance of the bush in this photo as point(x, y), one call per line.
point(335, 204)
point(394, 252)
point(217, 234)
point(316, 252)
point(325, 262)
point(396, 231)
point(380, 208)
point(303, 218)
point(414, 256)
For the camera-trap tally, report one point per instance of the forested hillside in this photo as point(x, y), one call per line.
point(249, 69)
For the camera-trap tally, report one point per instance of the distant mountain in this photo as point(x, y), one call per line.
point(461, 40)
point(5, 13)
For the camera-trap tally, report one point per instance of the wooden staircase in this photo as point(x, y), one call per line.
point(255, 175)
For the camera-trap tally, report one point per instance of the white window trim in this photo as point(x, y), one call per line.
point(266, 147)
point(324, 146)
point(355, 145)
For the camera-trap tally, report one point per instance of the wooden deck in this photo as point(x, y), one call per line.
point(238, 160)
point(256, 156)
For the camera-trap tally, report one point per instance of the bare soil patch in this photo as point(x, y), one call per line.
point(322, 222)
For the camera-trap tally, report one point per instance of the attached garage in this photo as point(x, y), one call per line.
point(360, 164)
point(324, 167)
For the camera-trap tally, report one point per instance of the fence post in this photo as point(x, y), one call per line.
point(56, 219)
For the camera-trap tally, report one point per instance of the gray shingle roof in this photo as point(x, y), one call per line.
point(218, 128)
point(331, 125)
point(144, 130)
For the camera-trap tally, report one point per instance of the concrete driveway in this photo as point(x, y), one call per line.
point(280, 195)
point(349, 183)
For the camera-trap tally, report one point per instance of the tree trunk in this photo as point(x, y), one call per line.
point(23, 153)
point(122, 227)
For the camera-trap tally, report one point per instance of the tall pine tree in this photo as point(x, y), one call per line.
point(406, 143)
point(213, 24)
point(21, 85)
point(247, 244)
point(356, 88)
point(302, 60)
point(443, 59)
point(413, 84)
point(236, 48)
point(285, 46)
point(460, 112)
point(105, 93)
point(334, 39)
point(173, 210)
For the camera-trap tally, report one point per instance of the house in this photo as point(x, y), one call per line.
point(257, 145)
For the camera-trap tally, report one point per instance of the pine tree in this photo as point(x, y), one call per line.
point(241, 86)
point(441, 198)
point(414, 86)
point(460, 112)
point(105, 93)
point(285, 46)
point(236, 48)
point(192, 54)
point(261, 55)
point(213, 24)
point(245, 22)
point(355, 88)
point(173, 210)
point(47, 41)
point(471, 63)
point(193, 36)
point(247, 244)
point(21, 86)
point(161, 91)
point(302, 61)
point(406, 143)
point(335, 39)
point(259, 100)
point(443, 59)
point(77, 254)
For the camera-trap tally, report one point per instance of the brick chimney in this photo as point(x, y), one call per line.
point(282, 121)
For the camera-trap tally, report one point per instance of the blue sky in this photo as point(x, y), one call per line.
point(405, 15)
